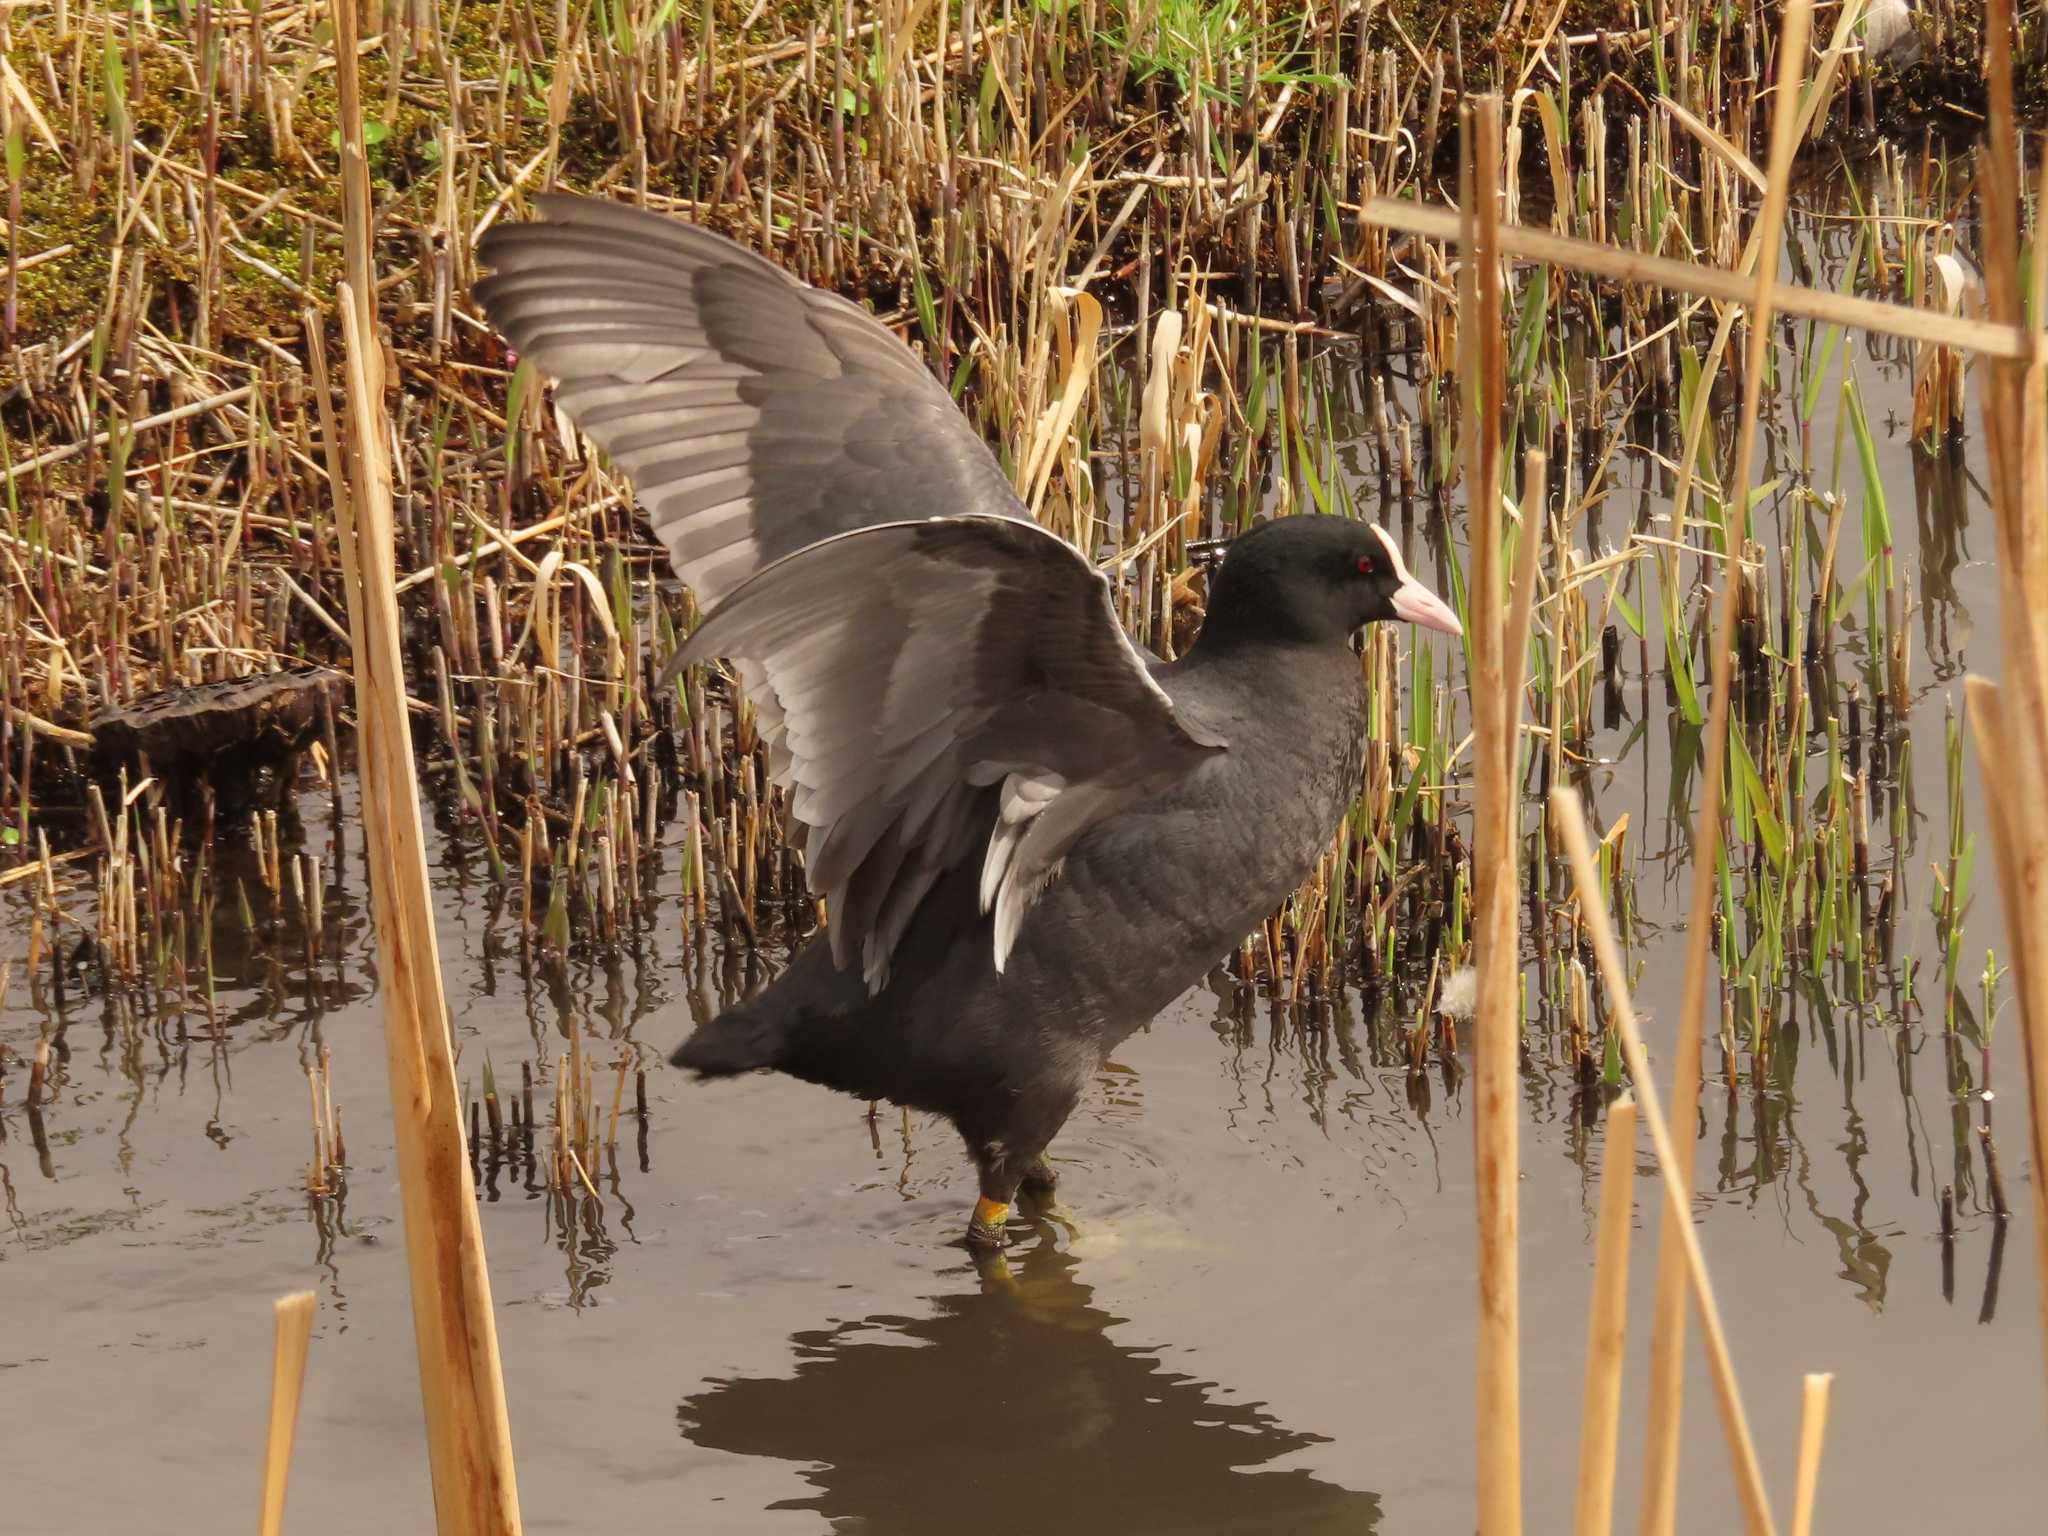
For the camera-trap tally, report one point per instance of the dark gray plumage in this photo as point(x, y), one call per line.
point(1031, 836)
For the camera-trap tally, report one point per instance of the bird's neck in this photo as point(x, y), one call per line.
point(1267, 674)
point(1260, 637)
point(1243, 618)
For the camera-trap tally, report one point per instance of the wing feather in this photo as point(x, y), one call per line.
point(716, 381)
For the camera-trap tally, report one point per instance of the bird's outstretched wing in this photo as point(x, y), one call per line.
point(939, 680)
point(756, 415)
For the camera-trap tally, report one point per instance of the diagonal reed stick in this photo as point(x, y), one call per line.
point(294, 1315)
point(1667, 1340)
point(1528, 243)
point(1570, 822)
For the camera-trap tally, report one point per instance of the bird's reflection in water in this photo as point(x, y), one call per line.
point(1011, 1409)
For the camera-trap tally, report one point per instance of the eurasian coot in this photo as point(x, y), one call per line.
point(1030, 835)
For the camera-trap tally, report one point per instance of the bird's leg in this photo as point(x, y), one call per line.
point(1040, 1178)
point(1000, 1177)
point(1009, 1151)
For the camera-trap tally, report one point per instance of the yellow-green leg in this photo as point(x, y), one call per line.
point(985, 1228)
point(1008, 1157)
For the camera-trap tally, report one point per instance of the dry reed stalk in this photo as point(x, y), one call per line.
point(1813, 1428)
point(1570, 821)
point(2010, 719)
point(468, 1437)
point(1606, 1333)
point(18, 472)
point(1667, 1341)
point(287, 1378)
point(1496, 724)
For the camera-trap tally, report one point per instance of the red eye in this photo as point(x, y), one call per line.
point(1365, 565)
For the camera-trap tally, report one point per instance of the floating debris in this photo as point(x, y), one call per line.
point(224, 734)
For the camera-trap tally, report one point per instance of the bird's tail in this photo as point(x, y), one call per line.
point(741, 1039)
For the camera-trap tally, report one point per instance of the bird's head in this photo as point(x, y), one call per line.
point(1316, 580)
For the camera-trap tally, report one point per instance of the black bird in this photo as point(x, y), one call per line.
point(1030, 835)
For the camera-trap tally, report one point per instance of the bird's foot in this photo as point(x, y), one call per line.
point(985, 1232)
point(1041, 1178)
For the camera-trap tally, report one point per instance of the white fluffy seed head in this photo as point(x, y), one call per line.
point(1459, 995)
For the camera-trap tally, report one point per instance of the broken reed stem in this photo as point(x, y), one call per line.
point(1496, 709)
point(294, 1316)
point(1570, 822)
point(1667, 1340)
point(1813, 1428)
point(1607, 1331)
point(469, 1443)
point(468, 1437)
point(2009, 721)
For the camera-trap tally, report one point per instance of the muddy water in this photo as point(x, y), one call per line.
point(1254, 1311)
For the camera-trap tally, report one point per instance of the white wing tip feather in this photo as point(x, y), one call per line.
point(1002, 843)
point(1024, 795)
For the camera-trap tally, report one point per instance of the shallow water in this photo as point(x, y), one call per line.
point(1255, 1311)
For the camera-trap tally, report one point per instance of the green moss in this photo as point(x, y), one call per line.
point(61, 297)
